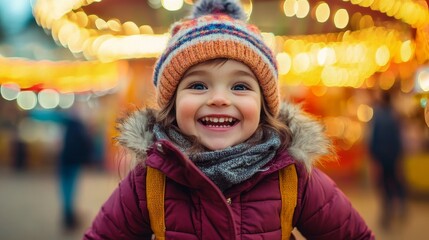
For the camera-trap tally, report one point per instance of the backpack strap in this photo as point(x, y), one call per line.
point(288, 180)
point(155, 191)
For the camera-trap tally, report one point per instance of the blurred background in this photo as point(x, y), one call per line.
point(70, 68)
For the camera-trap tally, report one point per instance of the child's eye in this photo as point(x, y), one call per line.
point(197, 86)
point(240, 87)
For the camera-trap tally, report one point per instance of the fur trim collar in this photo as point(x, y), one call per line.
point(308, 145)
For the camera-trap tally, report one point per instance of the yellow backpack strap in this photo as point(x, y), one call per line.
point(155, 189)
point(289, 192)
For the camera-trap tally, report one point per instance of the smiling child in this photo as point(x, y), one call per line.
point(222, 157)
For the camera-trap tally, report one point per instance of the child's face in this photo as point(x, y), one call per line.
point(219, 104)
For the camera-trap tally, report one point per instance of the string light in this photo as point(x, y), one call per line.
point(346, 62)
point(346, 58)
point(64, 76)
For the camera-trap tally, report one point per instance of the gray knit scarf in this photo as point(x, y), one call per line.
point(231, 165)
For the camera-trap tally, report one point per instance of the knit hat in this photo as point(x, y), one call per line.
point(216, 29)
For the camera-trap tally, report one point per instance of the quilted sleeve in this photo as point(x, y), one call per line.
point(124, 215)
point(326, 213)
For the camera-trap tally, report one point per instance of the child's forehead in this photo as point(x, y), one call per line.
point(220, 64)
point(220, 67)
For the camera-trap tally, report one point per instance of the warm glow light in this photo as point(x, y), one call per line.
point(411, 12)
point(322, 12)
point(301, 63)
point(114, 25)
point(303, 7)
point(382, 55)
point(329, 76)
point(334, 126)
point(146, 29)
point(353, 132)
point(172, 5)
point(247, 6)
point(269, 39)
point(345, 58)
point(284, 62)
point(341, 18)
point(326, 56)
point(155, 4)
point(423, 80)
point(82, 19)
point(406, 51)
point(319, 90)
point(63, 76)
point(366, 21)
point(364, 113)
point(101, 24)
point(65, 32)
point(130, 28)
point(387, 79)
point(290, 8)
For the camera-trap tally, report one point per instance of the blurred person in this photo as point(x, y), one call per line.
point(76, 151)
point(386, 149)
point(19, 152)
point(223, 158)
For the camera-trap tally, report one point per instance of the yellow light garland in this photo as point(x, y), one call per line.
point(63, 76)
point(315, 62)
point(409, 11)
point(96, 38)
point(109, 40)
point(343, 59)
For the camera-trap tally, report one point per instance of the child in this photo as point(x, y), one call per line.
point(222, 140)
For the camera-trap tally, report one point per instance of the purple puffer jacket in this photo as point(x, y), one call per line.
point(196, 209)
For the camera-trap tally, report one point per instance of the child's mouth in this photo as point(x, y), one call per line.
point(218, 122)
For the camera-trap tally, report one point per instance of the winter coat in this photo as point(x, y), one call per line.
point(196, 209)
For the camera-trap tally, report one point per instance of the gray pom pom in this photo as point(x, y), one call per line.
point(231, 7)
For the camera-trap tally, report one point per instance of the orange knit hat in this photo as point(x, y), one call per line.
point(216, 29)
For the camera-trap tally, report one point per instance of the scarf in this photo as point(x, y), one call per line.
point(232, 165)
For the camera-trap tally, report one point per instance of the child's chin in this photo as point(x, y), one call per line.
point(214, 146)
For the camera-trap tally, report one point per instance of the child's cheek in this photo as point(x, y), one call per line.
point(186, 109)
point(251, 109)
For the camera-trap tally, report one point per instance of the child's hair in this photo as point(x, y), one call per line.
point(166, 117)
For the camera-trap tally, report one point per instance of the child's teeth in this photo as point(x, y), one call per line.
point(218, 120)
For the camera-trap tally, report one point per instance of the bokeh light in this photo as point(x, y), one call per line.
point(322, 12)
point(9, 91)
point(303, 8)
point(27, 100)
point(48, 98)
point(66, 100)
point(172, 5)
point(341, 18)
point(364, 113)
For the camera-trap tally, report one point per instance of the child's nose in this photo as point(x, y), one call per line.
point(219, 98)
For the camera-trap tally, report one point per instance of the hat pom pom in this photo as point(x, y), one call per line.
point(229, 7)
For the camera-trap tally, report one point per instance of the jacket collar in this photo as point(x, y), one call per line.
point(308, 145)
